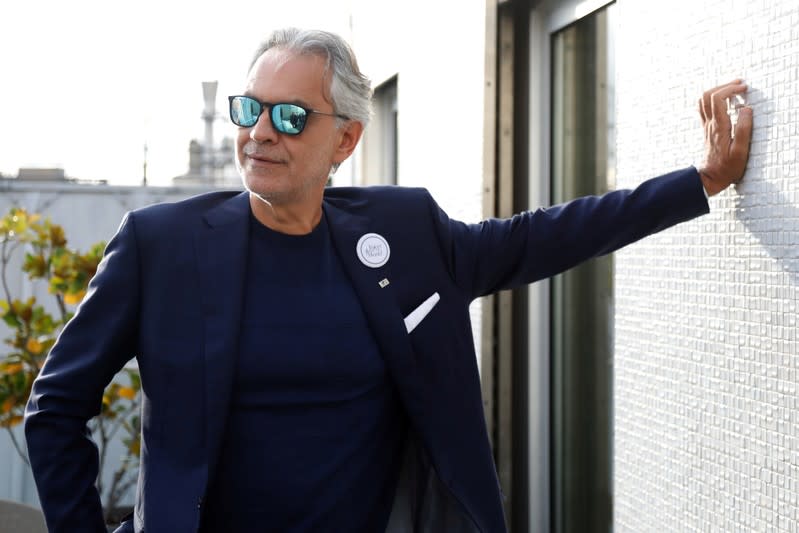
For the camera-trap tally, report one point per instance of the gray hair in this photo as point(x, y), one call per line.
point(350, 90)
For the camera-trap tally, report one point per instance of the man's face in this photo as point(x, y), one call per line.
point(285, 169)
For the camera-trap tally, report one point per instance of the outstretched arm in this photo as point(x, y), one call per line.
point(500, 254)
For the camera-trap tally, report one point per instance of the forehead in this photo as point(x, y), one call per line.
point(281, 75)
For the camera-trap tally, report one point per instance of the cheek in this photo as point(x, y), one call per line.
point(241, 139)
point(310, 152)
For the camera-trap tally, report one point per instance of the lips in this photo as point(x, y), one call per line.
point(260, 157)
point(264, 159)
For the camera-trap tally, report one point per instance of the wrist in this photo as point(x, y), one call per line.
point(708, 184)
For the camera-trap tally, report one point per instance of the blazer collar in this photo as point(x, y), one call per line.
point(230, 211)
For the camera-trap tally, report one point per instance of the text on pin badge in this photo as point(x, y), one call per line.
point(373, 250)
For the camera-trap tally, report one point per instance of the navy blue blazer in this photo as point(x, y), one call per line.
point(169, 292)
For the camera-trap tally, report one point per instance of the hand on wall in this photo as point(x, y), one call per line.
point(725, 154)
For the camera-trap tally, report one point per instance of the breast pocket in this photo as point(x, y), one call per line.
point(415, 317)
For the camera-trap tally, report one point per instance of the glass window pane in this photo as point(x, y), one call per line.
point(582, 299)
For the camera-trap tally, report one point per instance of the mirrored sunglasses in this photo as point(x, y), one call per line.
point(286, 118)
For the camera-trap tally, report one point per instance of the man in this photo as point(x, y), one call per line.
point(306, 355)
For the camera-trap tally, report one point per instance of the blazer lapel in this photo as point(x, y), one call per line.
point(379, 304)
point(222, 259)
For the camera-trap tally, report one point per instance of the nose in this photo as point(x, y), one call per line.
point(263, 131)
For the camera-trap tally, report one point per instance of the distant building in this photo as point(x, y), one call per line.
point(47, 175)
point(210, 163)
point(42, 174)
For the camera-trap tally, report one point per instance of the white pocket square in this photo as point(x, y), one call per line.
point(418, 314)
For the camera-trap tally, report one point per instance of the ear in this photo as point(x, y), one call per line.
point(348, 137)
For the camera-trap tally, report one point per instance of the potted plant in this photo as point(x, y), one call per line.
point(47, 260)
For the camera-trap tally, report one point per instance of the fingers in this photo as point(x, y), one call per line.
point(719, 96)
point(702, 111)
point(739, 149)
point(713, 104)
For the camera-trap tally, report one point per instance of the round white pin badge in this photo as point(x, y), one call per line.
point(373, 250)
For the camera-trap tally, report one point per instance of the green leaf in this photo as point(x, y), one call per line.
point(57, 237)
point(135, 379)
point(11, 319)
point(35, 265)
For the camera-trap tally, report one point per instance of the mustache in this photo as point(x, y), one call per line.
point(254, 150)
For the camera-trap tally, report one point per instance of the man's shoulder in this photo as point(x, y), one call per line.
point(187, 214)
point(375, 196)
point(193, 204)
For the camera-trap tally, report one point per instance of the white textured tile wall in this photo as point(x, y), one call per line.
point(707, 350)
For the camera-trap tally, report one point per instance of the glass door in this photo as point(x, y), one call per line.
point(582, 163)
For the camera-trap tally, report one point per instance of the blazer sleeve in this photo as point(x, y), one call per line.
point(91, 349)
point(501, 254)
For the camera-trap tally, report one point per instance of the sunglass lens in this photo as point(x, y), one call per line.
point(244, 111)
point(288, 118)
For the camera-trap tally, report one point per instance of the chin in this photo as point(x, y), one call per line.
point(267, 193)
point(262, 183)
point(272, 195)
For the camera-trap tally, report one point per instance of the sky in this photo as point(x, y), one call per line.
point(85, 84)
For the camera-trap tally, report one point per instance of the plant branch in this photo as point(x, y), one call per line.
point(20, 451)
point(122, 418)
point(28, 359)
point(103, 451)
point(62, 308)
point(118, 489)
point(5, 258)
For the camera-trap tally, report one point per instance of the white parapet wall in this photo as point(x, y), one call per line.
point(706, 404)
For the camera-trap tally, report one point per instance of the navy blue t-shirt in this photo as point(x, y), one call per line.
point(314, 436)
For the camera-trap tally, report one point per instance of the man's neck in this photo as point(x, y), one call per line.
point(291, 219)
